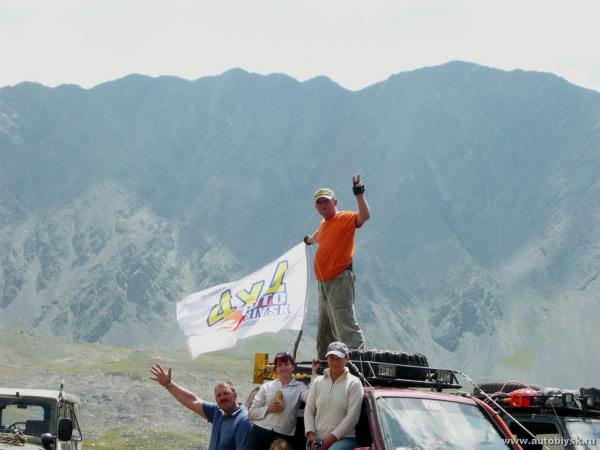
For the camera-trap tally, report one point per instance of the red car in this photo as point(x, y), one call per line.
point(410, 418)
point(406, 407)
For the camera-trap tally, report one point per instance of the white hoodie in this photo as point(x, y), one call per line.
point(333, 407)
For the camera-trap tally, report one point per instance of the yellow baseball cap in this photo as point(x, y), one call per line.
point(324, 193)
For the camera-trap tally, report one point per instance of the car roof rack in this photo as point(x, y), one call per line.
point(584, 402)
point(371, 373)
point(378, 374)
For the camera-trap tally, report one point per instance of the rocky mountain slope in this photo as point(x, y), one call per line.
point(117, 201)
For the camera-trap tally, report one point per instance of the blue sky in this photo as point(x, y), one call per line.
point(355, 43)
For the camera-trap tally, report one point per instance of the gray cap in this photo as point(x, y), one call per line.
point(338, 349)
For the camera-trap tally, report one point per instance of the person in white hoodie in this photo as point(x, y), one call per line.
point(333, 405)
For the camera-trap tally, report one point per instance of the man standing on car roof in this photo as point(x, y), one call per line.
point(333, 267)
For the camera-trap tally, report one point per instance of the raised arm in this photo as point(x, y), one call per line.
point(364, 213)
point(183, 396)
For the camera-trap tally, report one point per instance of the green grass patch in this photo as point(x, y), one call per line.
point(125, 438)
point(521, 359)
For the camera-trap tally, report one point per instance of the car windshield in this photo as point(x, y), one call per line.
point(30, 417)
point(585, 433)
point(415, 423)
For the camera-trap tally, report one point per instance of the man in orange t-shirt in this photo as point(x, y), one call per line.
point(333, 268)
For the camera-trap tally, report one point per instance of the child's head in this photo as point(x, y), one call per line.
point(280, 444)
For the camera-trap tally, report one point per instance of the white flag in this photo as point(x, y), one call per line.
point(271, 299)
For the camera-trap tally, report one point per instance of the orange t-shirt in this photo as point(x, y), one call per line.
point(336, 245)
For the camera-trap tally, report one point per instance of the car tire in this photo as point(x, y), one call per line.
point(402, 358)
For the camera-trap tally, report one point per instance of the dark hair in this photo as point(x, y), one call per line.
point(283, 357)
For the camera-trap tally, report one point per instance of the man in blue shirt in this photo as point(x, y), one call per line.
point(230, 423)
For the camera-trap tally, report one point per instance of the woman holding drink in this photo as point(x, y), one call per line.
point(275, 407)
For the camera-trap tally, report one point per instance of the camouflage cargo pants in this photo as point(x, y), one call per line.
point(337, 319)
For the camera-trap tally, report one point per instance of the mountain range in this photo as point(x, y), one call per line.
point(482, 250)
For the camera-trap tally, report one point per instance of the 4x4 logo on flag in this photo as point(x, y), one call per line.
point(269, 300)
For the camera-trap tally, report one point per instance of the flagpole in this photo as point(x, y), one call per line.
point(305, 305)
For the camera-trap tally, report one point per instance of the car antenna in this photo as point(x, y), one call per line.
point(491, 400)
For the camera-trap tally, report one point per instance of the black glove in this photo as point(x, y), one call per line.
point(357, 187)
point(306, 240)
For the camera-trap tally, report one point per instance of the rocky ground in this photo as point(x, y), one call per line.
point(121, 408)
